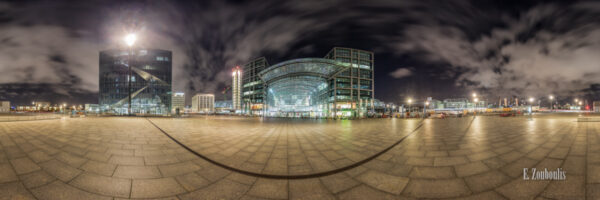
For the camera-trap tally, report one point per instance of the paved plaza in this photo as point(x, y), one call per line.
point(253, 158)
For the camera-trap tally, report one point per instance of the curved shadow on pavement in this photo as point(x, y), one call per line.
point(301, 176)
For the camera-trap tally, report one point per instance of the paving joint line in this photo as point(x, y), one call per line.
point(301, 176)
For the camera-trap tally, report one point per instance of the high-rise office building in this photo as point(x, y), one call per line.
point(236, 88)
point(203, 103)
point(178, 102)
point(353, 89)
point(252, 92)
point(150, 81)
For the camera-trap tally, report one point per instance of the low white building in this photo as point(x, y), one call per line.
point(92, 108)
point(178, 101)
point(4, 106)
point(203, 103)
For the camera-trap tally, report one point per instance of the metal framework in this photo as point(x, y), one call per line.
point(299, 87)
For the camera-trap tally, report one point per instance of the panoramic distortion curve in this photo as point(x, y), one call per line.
point(300, 176)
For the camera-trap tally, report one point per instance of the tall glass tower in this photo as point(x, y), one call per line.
point(150, 81)
point(236, 88)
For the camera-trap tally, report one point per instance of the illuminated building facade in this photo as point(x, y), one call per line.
point(339, 85)
point(150, 81)
point(353, 88)
point(4, 106)
point(178, 102)
point(236, 88)
point(252, 91)
point(203, 103)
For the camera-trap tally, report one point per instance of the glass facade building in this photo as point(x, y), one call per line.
point(150, 81)
point(339, 85)
point(252, 92)
point(353, 88)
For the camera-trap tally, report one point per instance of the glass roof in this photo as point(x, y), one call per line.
point(297, 93)
point(320, 67)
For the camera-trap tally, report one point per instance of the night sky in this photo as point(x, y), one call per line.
point(49, 49)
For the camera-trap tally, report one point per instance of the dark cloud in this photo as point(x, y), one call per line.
point(401, 73)
point(538, 52)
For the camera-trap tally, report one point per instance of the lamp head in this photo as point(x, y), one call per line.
point(130, 39)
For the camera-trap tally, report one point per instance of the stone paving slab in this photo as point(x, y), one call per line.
point(462, 158)
point(284, 147)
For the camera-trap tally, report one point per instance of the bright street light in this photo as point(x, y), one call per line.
point(580, 103)
point(427, 103)
point(409, 101)
point(476, 100)
point(576, 100)
point(531, 99)
point(551, 97)
point(130, 39)
point(474, 94)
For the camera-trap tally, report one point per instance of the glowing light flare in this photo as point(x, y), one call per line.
point(551, 97)
point(235, 71)
point(531, 99)
point(476, 100)
point(130, 39)
point(409, 101)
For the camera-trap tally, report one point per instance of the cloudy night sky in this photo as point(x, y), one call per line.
point(49, 49)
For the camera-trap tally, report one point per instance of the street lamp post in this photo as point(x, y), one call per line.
point(475, 105)
point(530, 103)
point(409, 102)
point(129, 40)
point(551, 97)
point(425, 108)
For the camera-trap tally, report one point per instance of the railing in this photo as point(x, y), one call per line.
point(28, 116)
